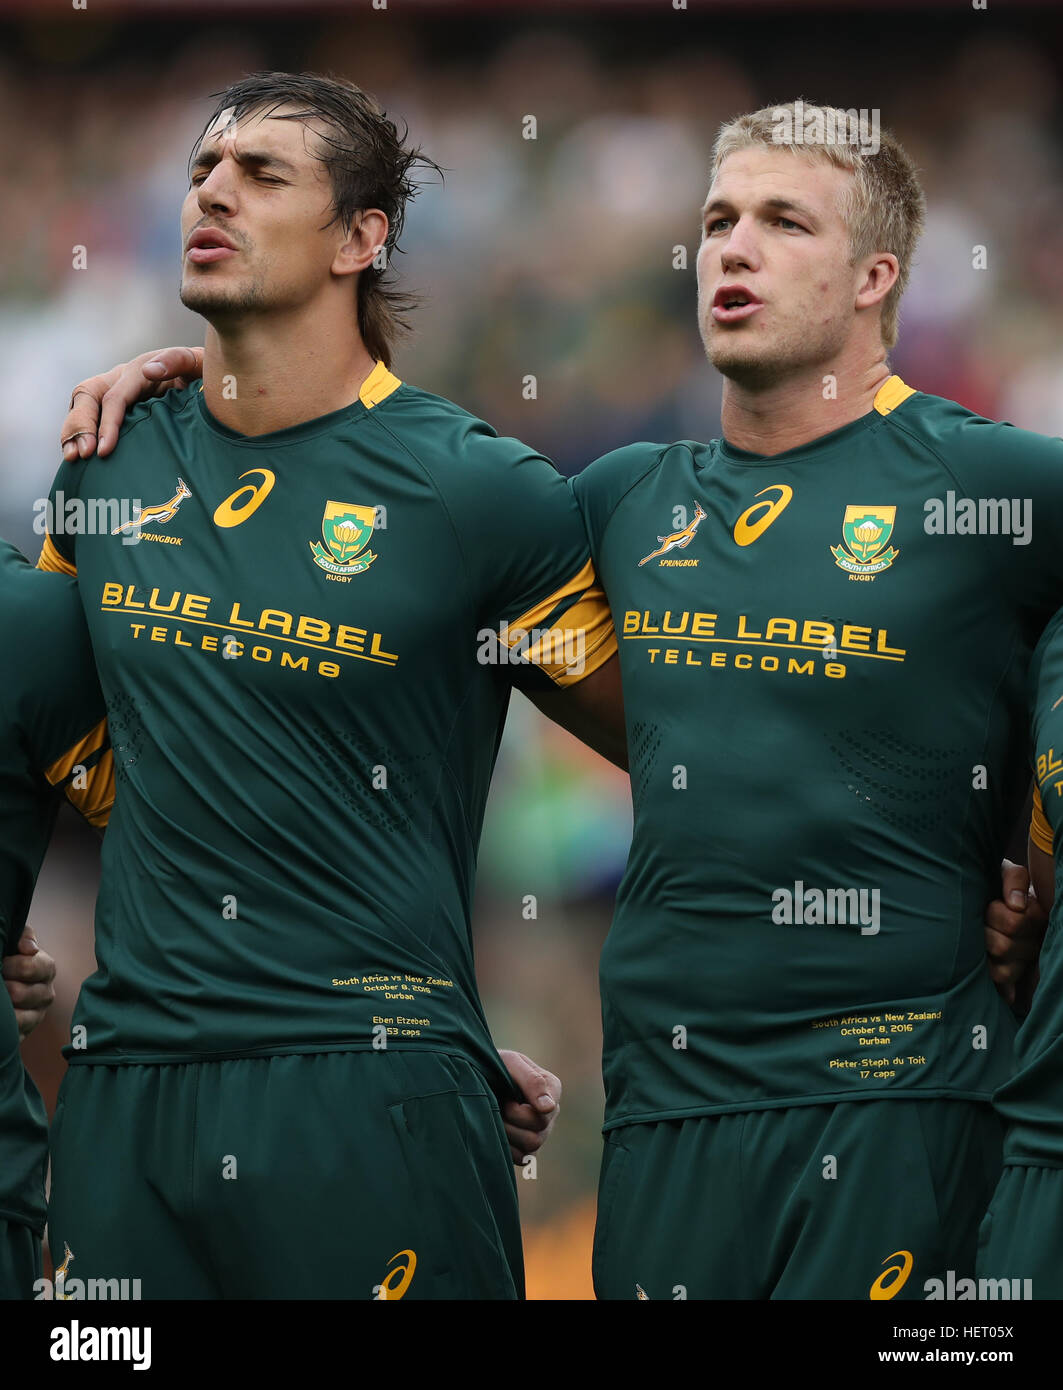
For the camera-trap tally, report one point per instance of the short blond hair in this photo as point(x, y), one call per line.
point(884, 209)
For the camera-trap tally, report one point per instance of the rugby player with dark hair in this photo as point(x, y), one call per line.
point(283, 1081)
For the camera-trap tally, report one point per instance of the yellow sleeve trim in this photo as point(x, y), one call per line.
point(1040, 830)
point(95, 800)
point(592, 617)
point(84, 748)
point(377, 386)
point(539, 612)
point(50, 559)
point(891, 394)
point(89, 790)
point(583, 640)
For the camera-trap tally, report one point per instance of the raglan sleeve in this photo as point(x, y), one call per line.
point(1016, 478)
point(58, 546)
point(601, 486)
point(64, 713)
point(1037, 502)
point(534, 584)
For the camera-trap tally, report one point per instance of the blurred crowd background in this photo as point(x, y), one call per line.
point(552, 257)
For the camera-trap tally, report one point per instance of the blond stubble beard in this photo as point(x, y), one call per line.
point(767, 364)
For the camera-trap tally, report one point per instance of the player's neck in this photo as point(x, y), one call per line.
point(275, 371)
point(786, 414)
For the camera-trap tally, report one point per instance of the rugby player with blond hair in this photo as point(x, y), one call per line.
point(825, 696)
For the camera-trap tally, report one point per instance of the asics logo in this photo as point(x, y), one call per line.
point(880, 1289)
point(747, 530)
point(245, 500)
point(397, 1280)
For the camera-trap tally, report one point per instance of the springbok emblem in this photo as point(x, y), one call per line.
point(677, 540)
point(164, 512)
point(60, 1273)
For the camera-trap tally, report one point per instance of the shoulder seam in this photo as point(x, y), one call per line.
point(641, 477)
point(891, 421)
point(372, 416)
point(127, 429)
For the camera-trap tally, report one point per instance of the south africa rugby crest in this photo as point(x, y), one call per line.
point(866, 550)
point(346, 531)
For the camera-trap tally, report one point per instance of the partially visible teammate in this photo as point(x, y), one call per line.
point(1022, 1236)
point(29, 975)
point(53, 742)
point(825, 693)
point(307, 657)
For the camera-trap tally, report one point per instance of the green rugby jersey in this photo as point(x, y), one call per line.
point(52, 740)
point(305, 710)
point(823, 678)
point(1031, 1101)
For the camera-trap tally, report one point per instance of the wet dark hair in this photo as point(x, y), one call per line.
point(369, 166)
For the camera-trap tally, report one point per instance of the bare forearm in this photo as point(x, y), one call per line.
point(592, 710)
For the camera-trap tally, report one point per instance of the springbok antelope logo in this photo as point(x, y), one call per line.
point(60, 1273)
point(164, 512)
point(678, 540)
